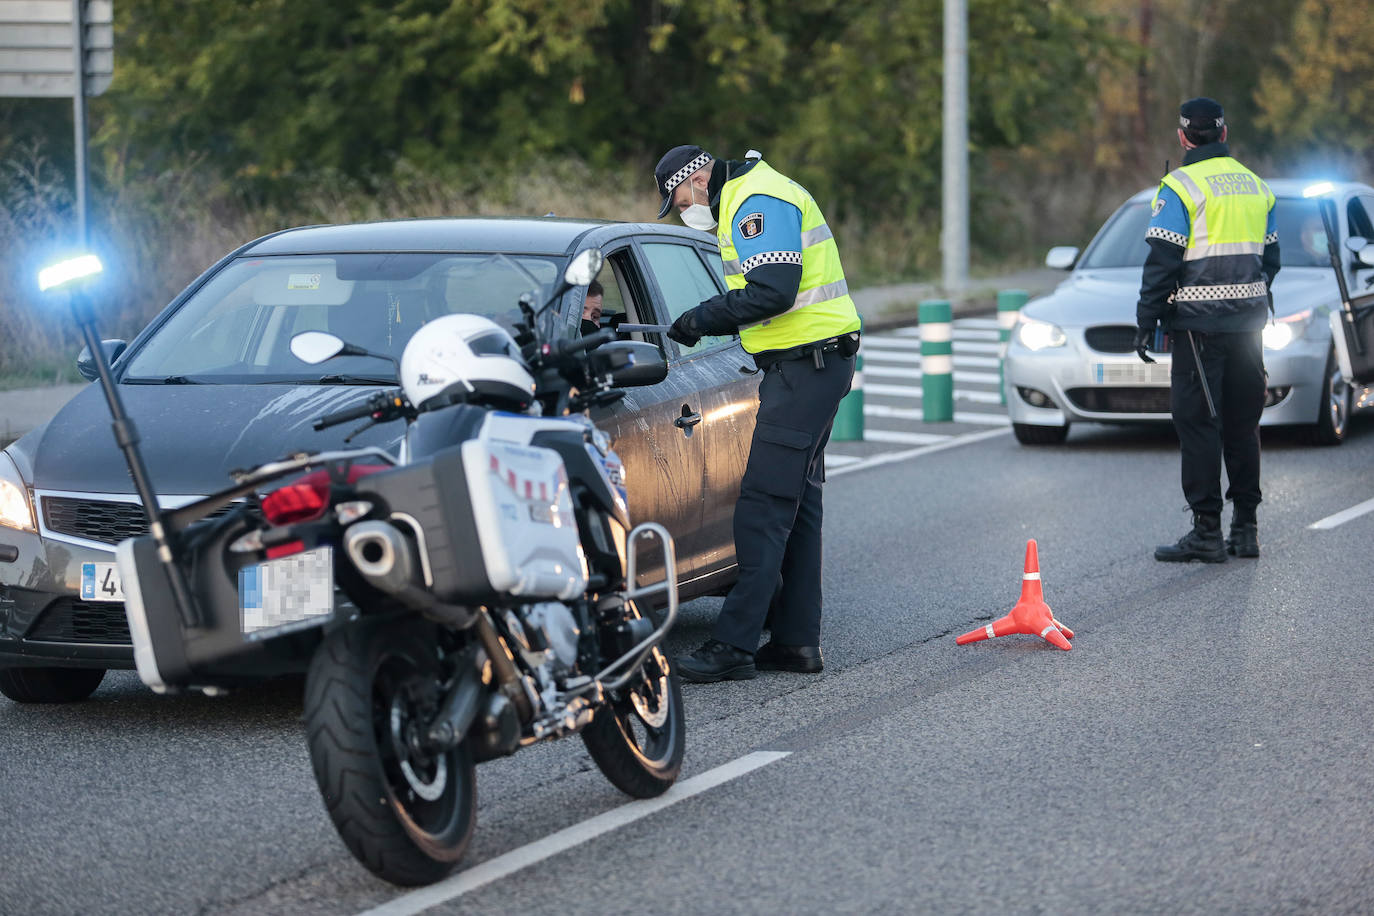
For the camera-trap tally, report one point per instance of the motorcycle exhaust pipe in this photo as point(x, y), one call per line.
point(383, 556)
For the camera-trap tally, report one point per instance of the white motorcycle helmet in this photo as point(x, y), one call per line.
point(462, 356)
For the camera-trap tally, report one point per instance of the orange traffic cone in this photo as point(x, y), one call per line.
point(1031, 615)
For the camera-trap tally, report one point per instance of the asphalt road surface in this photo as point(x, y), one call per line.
point(1205, 747)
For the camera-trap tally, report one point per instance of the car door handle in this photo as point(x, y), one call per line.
point(687, 420)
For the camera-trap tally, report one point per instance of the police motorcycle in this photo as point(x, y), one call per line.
point(473, 598)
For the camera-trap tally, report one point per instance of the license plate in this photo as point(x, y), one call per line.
point(1131, 373)
point(100, 582)
point(286, 593)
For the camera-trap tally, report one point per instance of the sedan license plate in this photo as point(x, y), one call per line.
point(287, 593)
point(100, 582)
point(1156, 373)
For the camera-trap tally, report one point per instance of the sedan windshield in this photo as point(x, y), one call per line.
point(237, 328)
point(1302, 243)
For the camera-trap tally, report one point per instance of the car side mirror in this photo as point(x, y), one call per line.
point(315, 347)
point(629, 363)
point(1363, 249)
point(583, 268)
point(85, 362)
point(1062, 257)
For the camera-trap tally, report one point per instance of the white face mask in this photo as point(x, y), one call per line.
point(698, 216)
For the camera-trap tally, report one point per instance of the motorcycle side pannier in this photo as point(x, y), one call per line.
point(491, 518)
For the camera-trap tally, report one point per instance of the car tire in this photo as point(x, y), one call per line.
point(1030, 434)
point(1333, 417)
point(49, 685)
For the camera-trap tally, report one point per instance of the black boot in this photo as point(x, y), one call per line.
point(1202, 543)
point(717, 661)
point(1244, 539)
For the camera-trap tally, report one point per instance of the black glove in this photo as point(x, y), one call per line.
point(1143, 338)
point(685, 330)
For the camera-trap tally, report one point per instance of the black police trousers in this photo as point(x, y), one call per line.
point(1234, 366)
point(778, 516)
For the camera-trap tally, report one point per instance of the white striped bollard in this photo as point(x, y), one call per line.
point(937, 361)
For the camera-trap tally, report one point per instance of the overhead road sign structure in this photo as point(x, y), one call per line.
point(37, 53)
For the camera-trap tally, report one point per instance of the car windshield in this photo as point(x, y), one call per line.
point(237, 328)
point(1122, 241)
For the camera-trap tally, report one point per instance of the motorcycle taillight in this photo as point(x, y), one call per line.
point(297, 502)
point(307, 498)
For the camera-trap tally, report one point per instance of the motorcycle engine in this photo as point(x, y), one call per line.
point(560, 631)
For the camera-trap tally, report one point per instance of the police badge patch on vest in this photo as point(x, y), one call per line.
point(751, 226)
point(1159, 205)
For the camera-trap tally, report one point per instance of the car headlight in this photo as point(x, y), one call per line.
point(1281, 332)
point(15, 509)
point(1039, 335)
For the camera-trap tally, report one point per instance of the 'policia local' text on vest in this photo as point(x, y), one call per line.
point(822, 308)
point(1223, 286)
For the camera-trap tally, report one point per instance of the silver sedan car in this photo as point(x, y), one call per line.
point(1071, 357)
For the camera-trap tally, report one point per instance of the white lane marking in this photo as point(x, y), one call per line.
point(914, 391)
point(839, 461)
point(899, 356)
point(895, 457)
point(902, 372)
point(892, 435)
point(916, 413)
point(1345, 515)
point(978, 322)
point(494, 869)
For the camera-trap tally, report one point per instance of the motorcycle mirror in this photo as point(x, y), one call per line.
point(316, 346)
point(584, 267)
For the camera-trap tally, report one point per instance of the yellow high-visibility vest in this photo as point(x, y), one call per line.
point(1228, 211)
point(822, 308)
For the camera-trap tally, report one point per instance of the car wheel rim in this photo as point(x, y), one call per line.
point(1339, 404)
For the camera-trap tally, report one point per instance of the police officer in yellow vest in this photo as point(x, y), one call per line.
point(1214, 253)
point(788, 300)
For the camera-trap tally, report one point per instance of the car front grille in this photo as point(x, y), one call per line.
point(1120, 399)
point(70, 620)
point(94, 519)
point(1111, 338)
point(103, 520)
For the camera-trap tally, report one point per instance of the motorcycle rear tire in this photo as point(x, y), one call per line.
point(638, 759)
point(359, 685)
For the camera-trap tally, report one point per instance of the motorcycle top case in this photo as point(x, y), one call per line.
point(492, 519)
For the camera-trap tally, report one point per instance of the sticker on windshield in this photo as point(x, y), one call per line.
point(303, 281)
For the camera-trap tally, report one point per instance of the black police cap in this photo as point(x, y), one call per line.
point(1201, 113)
point(676, 166)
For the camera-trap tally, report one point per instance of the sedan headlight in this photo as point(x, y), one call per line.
point(1039, 335)
point(1281, 332)
point(15, 509)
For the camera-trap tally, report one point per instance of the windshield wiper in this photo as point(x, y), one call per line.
point(355, 380)
point(164, 380)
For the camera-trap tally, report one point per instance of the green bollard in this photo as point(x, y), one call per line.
point(937, 361)
point(849, 419)
point(1009, 302)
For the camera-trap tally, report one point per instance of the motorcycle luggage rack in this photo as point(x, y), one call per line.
point(632, 659)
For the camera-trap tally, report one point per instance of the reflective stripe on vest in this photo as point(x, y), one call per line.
point(1228, 210)
point(822, 308)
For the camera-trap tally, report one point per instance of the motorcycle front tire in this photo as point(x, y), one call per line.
point(638, 746)
point(405, 816)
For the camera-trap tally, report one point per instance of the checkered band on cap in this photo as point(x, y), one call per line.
point(683, 173)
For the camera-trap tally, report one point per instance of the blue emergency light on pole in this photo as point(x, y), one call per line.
point(73, 276)
point(937, 360)
point(1009, 303)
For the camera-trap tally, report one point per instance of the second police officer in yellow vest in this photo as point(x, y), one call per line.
point(1214, 254)
point(788, 300)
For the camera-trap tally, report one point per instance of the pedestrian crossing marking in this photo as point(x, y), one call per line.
point(885, 346)
point(899, 357)
point(904, 438)
point(989, 378)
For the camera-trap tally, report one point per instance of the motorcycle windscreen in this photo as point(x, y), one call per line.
point(258, 619)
